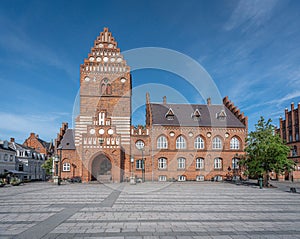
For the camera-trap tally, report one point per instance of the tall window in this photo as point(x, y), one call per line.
point(199, 163)
point(66, 167)
point(199, 143)
point(162, 163)
point(181, 163)
point(234, 143)
point(217, 143)
point(162, 142)
point(218, 163)
point(180, 142)
point(139, 164)
point(101, 118)
point(106, 87)
point(235, 163)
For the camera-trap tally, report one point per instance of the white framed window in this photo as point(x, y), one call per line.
point(181, 163)
point(101, 118)
point(217, 143)
point(234, 143)
point(200, 178)
point(162, 163)
point(199, 163)
point(181, 178)
point(199, 143)
point(218, 163)
point(235, 163)
point(162, 142)
point(66, 167)
point(162, 178)
point(180, 142)
point(139, 164)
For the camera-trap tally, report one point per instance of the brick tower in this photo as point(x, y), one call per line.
point(102, 132)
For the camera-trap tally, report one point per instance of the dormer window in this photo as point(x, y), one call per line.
point(196, 115)
point(170, 114)
point(221, 115)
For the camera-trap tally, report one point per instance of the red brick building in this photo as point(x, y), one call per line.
point(289, 132)
point(39, 145)
point(179, 141)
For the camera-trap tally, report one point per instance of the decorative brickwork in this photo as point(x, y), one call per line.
point(289, 132)
point(181, 142)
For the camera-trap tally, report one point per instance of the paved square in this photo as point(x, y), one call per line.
point(148, 210)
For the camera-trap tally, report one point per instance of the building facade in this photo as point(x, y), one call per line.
point(28, 162)
point(7, 157)
point(178, 142)
point(289, 132)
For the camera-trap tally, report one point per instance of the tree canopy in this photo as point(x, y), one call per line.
point(47, 165)
point(265, 152)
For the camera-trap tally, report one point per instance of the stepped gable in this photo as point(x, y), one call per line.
point(61, 133)
point(105, 56)
point(235, 110)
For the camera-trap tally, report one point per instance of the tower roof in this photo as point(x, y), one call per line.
point(105, 55)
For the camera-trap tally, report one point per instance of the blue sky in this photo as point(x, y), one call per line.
point(251, 50)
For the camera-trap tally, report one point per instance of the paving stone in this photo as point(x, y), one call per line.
point(148, 210)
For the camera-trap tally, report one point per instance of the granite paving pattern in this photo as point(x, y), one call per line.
point(148, 210)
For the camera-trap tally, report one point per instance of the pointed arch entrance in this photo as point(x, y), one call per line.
point(101, 169)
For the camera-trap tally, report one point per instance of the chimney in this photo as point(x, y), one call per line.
point(165, 100)
point(292, 106)
point(37, 136)
point(32, 134)
point(209, 101)
point(12, 140)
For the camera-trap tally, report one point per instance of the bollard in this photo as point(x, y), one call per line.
point(260, 181)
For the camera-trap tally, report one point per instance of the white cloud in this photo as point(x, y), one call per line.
point(20, 126)
point(251, 13)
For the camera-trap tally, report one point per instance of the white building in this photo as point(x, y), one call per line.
point(7, 157)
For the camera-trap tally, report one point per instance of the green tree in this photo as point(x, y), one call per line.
point(265, 152)
point(48, 166)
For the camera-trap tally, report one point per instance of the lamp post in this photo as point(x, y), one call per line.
point(132, 179)
point(56, 177)
point(140, 146)
point(143, 165)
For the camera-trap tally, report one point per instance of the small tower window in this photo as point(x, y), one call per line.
point(106, 88)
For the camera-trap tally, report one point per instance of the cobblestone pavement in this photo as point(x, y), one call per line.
point(149, 211)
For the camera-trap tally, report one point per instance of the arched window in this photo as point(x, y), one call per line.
point(234, 143)
point(199, 163)
point(66, 167)
point(162, 163)
point(181, 163)
point(162, 142)
point(218, 163)
point(180, 142)
point(199, 143)
point(217, 143)
point(106, 88)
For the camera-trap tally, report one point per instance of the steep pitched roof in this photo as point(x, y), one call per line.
point(183, 115)
point(67, 141)
point(45, 144)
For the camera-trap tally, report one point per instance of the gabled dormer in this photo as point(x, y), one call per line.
point(170, 114)
point(196, 114)
point(221, 115)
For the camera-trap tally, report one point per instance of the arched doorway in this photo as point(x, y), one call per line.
point(101, 169)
